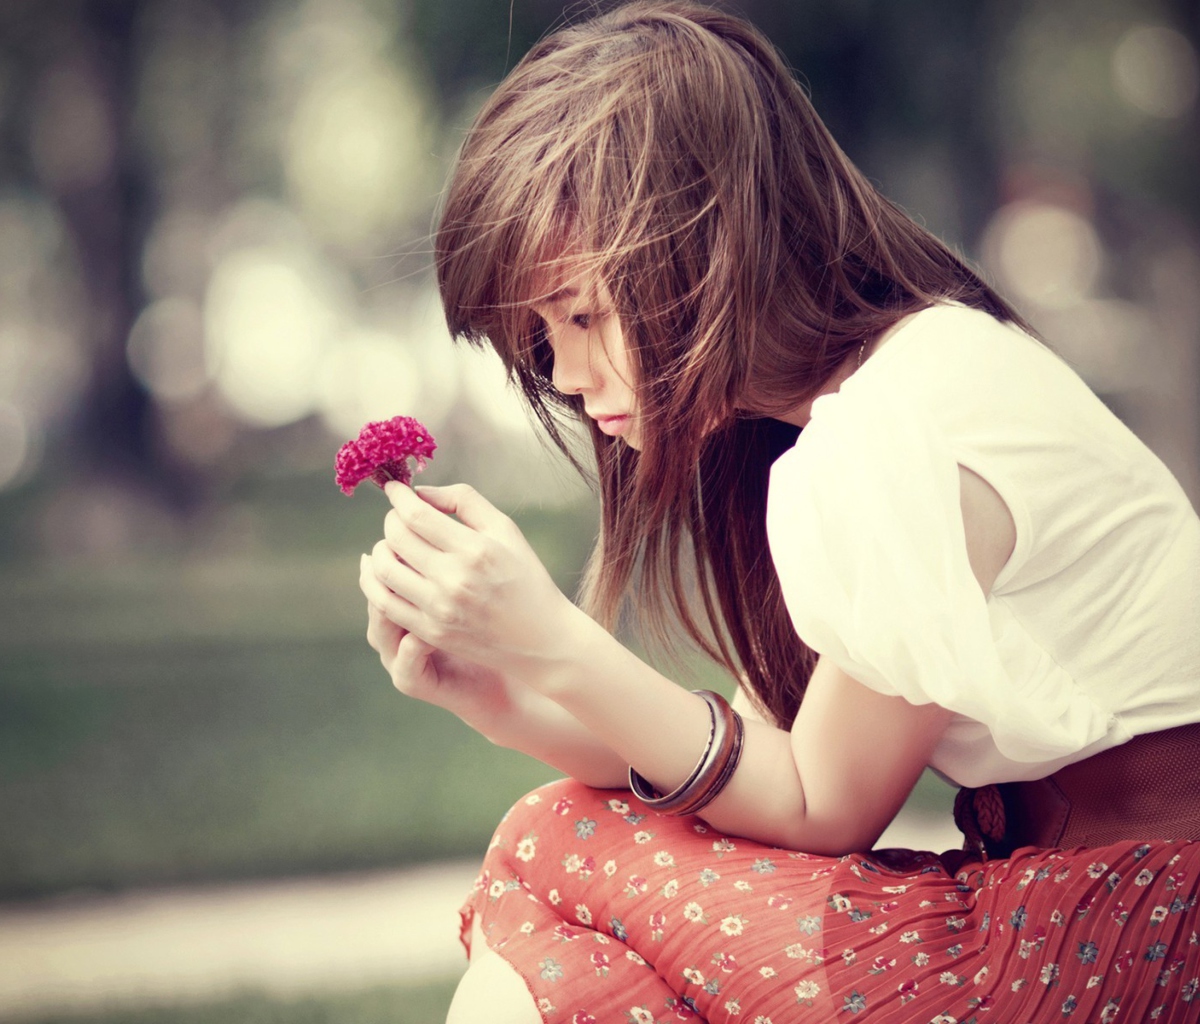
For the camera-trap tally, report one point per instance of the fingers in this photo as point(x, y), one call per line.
point(409, 546)
point(407, 658)
point(471, 507)
point(379, 588)
point(475, 513)
point(400, 578)
point(432, 524)
point(383, 634)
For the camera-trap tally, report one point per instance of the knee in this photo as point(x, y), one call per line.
point(554, 802)
point(492, 991)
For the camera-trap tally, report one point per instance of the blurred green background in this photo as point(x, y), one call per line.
point(214, 266)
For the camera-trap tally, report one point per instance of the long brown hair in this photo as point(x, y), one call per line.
point(666, 148)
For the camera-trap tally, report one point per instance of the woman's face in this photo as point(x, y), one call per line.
point(590, 356)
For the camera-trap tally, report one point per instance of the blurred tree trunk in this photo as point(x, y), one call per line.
point(87, 161)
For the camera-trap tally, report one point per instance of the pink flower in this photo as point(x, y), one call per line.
point(381, 452)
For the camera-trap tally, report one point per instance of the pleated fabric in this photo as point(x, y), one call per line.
point(612, 912)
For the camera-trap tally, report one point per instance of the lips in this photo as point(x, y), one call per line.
point(612, 425)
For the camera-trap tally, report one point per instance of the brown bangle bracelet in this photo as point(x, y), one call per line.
point(660, 802)
point(712, 772)
point(721, 777)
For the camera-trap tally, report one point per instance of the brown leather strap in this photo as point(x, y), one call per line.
point(1148, 788)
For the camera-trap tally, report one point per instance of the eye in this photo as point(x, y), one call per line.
point(582, 320)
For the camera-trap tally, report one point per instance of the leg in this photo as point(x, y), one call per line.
point(555, 904)
point(491, 992)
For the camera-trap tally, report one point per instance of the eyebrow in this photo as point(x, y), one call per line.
point(568, 292)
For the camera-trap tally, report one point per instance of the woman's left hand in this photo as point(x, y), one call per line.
point(471, 586)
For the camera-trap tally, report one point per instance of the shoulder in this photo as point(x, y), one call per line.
point(931, 360)
point(951, 345)
point(947, 361)
point(953, 380)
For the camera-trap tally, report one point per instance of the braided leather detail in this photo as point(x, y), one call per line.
point(979, 815)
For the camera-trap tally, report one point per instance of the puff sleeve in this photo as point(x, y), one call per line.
point(866, 533)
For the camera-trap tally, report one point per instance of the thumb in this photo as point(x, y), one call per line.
point(412, 651)
point(411, 668)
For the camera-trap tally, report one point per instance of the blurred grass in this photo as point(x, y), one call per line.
point(409, 1004)
point(146, 766)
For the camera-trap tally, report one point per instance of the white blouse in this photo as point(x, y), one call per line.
point(1091, 634)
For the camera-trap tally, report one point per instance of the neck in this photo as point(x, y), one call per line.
point(801, 414)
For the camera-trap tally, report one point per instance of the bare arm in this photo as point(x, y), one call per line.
point(830, 785)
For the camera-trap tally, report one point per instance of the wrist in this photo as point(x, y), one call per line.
point(519, 723)
point(576, 641)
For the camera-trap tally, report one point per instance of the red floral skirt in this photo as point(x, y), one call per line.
point(612, 912)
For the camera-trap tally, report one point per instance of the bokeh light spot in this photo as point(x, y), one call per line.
point(1044, 254)
point(199, 432)
point(369, 375)
point(355, 153)
point(268, 318)
point(1155, 70)
point(166, 349)
point(43, 365)
point(1109, 342)
point(72, 140)
point(486, 387)
point(174, 259)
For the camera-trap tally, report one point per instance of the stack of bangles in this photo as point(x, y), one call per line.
point(712, 772)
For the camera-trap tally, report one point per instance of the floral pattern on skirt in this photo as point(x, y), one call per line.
point(614, 913)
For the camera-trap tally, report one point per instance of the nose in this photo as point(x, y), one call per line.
point(572, 370)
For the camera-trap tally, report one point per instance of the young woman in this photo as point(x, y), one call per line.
point(834, 457)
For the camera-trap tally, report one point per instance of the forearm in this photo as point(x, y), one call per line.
point(661, 729)
point(828, 785)
point(537, 726)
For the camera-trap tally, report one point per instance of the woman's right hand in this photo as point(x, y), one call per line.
point(501, 709)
